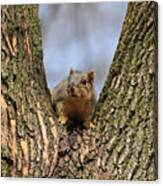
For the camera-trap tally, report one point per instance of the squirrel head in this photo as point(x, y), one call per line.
point(80, 83)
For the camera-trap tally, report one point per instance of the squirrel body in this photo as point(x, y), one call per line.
point(74, 98)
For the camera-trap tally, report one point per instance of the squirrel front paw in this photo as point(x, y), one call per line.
point(87, 124)
point(63, 119)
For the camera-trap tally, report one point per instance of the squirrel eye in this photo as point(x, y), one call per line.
point(84, 82)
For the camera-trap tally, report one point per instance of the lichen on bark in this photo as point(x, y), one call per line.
point(122, 140)
point(29, 134)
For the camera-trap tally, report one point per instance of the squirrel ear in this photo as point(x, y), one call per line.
point(71, 71)
point(91, 75)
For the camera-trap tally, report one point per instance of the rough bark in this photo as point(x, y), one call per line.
point(126, 114)
point(29, 138)
point(122, 142)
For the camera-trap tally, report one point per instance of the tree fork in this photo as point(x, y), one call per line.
point(122, 140)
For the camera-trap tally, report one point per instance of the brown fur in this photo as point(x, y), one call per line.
point(78, 109)
point(74, 99)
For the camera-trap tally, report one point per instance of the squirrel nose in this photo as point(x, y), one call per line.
point(72, 89)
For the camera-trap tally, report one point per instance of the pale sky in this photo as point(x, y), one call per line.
point(82, 36)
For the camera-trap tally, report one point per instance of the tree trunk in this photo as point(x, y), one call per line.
point(29, 134)
point(126, 115)
point(122, 140)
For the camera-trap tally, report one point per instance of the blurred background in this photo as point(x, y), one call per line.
point(82, 36)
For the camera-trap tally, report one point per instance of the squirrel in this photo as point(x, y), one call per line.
point(74, 98)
